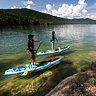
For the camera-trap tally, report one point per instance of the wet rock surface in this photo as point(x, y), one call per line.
point(80, 84)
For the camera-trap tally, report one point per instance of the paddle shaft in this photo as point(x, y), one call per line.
point(38, 47)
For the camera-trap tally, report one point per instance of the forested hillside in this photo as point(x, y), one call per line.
point(31, 17)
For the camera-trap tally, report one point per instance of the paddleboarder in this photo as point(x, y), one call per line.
point(53, 39)
point(31, 49)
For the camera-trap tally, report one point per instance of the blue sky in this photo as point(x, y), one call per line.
point(61, 8)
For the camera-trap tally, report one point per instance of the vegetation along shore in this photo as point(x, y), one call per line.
point(31, 17)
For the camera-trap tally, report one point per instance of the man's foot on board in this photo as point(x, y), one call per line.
point(34, 66)
point(53, 50)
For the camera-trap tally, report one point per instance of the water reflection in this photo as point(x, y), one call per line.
point(13, 39)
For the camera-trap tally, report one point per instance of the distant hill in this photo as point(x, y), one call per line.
point(31, 17)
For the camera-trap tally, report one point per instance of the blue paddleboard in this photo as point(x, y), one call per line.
point(42, 65)
point(55, 51)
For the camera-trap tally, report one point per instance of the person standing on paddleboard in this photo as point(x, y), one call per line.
point(31, 49)
point(53, 39)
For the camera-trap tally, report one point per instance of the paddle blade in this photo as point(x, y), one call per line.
point(26, 72)
point(59, 49)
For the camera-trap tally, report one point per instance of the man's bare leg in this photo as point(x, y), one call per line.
point(33, 63)
point(52, 46)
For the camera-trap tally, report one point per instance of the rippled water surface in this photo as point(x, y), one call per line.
point(13, 40)
point(13, 45)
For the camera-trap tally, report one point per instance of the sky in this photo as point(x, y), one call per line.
point(61, 8)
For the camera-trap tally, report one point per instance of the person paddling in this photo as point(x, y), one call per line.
point(31, 49)
point(53, 39)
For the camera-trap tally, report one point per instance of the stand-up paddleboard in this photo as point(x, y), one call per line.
point(42, 65)
point(55, 51)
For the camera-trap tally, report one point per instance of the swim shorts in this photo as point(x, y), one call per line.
point(32, 55)
point(52, 41)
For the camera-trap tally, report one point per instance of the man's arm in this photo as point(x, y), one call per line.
point(37, 41)
point(32, 49)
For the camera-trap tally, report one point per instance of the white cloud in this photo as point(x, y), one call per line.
point(84, 11)
point(28, 6)
point(62, 10)
point(70, 11)
point(28, 2)
point(14, 7)
point(54, 12)
point(44, 11)
point(81, 2)
point(53, 5)
point(48, 7)
point(91, 16)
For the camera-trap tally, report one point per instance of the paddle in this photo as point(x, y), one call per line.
point(38, 47)
point(59, 49)
point(26, 71)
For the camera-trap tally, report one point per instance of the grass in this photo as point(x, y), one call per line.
point(41, 82)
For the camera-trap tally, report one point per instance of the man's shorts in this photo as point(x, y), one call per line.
point(32, 55)
point(52, 41)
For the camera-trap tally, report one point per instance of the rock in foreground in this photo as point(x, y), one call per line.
point(80, 84)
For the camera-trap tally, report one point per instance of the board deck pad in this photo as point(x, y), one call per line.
point(42, 65)
point(55, 51)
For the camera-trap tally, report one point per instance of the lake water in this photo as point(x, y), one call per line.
point(13, 40)
point(13, 45)
point(81, 38)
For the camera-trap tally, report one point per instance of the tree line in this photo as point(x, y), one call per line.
point(31, 17)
